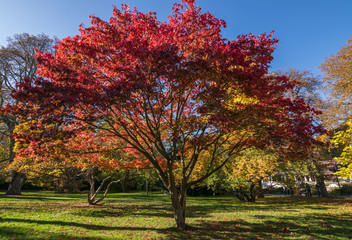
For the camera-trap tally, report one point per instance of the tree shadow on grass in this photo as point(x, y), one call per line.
point(201, 207)
point(150, 210)
point(23, 234)
point(279, 228)
point(321, 227)
point(318, 226)
point(141, 198)
point(40, 197)
point(63, 223)
point(108, 211)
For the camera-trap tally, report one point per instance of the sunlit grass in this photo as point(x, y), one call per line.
point(45, 215)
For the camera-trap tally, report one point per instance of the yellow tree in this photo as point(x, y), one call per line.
point(248, 171)
point(337, 71)
point(344, 139)
point(338, 76)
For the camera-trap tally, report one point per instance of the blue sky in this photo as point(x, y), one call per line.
point(308, 30)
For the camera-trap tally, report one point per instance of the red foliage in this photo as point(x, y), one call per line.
point(83, 149)
point(154, 81)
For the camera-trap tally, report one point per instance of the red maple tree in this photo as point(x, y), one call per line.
point(171, 91)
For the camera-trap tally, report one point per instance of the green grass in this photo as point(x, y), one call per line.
point(45, 215)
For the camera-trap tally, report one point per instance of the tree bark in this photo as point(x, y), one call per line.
point(179, 205)
point(320, 177)
point(260, 189)
point(17, 181)
point(180, 217)
point(178, 199)
point(123, 186)
point(92, 193)
point(321, 183)
point(252, 193)
point(17, 178)
point(146, 185)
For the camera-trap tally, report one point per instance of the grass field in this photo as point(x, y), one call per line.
point(45, 215)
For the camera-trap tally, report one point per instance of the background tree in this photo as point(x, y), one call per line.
point(291, 175)
point(249, 170)
point(17, 62)
point(150, 178)
point(309, 88)
point(343, 139)
point(320, 157)
point(337, 71)
point(244, 175)
point(307, 85)
point(174, 92)
point(91, 156)
point(218, 182)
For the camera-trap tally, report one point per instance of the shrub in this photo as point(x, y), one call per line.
point(345, 189)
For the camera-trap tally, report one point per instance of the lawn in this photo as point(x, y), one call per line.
point(46, 215)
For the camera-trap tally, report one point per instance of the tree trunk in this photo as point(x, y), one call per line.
point(178, 200)
point(146, 185)
point(179, 205)
point(321, 178)
point(123, 186)
point(321, 183)
point(17, 179)
point(260, 189)
point(92, 193)
point(180, 217)
point(252, 193)
point(239, 195)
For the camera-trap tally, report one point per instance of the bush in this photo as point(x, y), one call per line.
point(199, 191)
point(346, 189)
point(273, 190)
